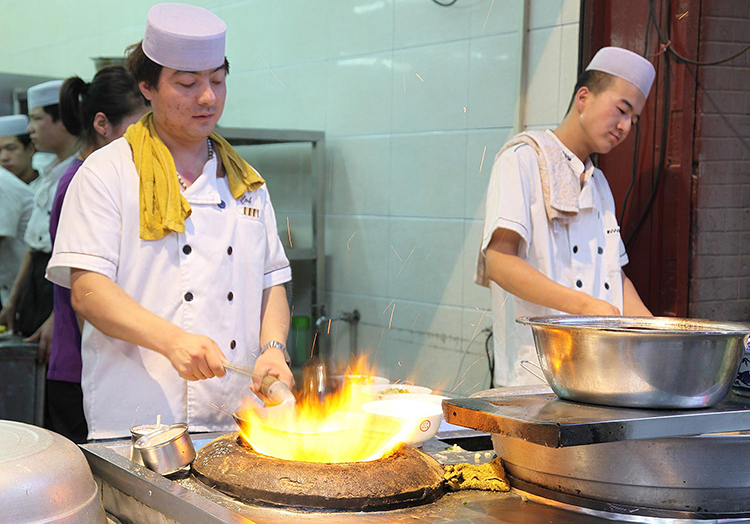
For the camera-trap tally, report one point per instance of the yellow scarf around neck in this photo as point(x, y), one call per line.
point(163, 209)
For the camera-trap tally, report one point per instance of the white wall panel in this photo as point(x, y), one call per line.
point(428, 175)
point(493, 81)
point(420, 22)
point(430, 87)
point(359, 95)
point(357, 27)
point(424, 260)
point(359, 175)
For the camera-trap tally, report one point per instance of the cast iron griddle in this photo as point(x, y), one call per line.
point(406, 478)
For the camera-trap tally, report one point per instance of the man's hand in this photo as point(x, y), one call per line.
point(597, 307)
point(8, 317)
point(272, 362)
point(196, 357)
point(44, 336)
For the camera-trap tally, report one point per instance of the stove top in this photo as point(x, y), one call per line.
point(128, 488)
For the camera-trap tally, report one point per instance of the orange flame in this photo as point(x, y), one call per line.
point(333, 431)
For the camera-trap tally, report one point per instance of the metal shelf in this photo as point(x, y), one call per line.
point(295, 254)
point(238, 136)
point(249, 136)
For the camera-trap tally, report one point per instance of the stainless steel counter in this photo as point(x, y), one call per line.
point(185, 500)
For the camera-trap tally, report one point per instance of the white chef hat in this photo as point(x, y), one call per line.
point(625, 64)
point(46, 94)
point(184, 37)
point(14, 125)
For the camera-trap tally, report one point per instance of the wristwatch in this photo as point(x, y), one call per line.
point(282, 347)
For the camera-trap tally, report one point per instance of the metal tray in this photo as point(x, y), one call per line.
point(535, 414)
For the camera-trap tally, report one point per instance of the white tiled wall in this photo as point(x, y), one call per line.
point(415, 99)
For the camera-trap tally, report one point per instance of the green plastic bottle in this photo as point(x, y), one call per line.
point(300, 339)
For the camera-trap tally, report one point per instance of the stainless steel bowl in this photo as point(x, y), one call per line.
point(640, 362)
point(44, 477)
point(167, 450)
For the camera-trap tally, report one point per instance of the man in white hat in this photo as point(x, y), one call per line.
point(551, 237)
point(16, 148)
point(29, 307)
point(168, 241)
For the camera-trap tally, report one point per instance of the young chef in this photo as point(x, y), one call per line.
point(29, 307)
point(16, 148)
point(551, 237)
point(168, 240)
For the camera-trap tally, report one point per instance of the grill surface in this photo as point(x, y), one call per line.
point(406, 478)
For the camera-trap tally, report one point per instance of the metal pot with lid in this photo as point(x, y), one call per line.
point(45, 478)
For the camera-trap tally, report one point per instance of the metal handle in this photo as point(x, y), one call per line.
point(523, 364)
point(258, 404)
point(238, 370)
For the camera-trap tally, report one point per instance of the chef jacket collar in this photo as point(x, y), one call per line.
point(586, 196)
point(205, 189)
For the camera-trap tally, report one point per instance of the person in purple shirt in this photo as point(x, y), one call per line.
point(99, 112)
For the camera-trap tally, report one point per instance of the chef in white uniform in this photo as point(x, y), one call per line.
point(169, 243)
point(551, 242)
point(15, 211)
point(16, 148)
point(29, 307)
point(16, 151)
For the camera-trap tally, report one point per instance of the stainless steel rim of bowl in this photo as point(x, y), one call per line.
point(640, 325)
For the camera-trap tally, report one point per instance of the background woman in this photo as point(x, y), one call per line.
point(99, 112)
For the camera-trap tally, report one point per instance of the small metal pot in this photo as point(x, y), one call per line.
point(640, 362)
point(137, 432)
point(167, 450)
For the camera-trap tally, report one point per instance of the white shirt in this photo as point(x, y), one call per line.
point(586, 255)
point(208, 281)
point(15, 211)
point(37, 233)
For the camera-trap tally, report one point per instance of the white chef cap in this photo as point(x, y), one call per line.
point(625, 64)
point(46, 94)
point(184, 37)
point(14, 125)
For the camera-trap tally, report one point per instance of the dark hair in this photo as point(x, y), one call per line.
point(596, 81)
point(24, 139)
point(146, 70)
point(112, 91)
point(53, 111)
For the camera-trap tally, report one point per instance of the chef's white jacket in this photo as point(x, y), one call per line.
point(15, 211)
point(37, 236)
point(586, 255)
point(208, 281)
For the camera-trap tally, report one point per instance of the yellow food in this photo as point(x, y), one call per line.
point(391, 391)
